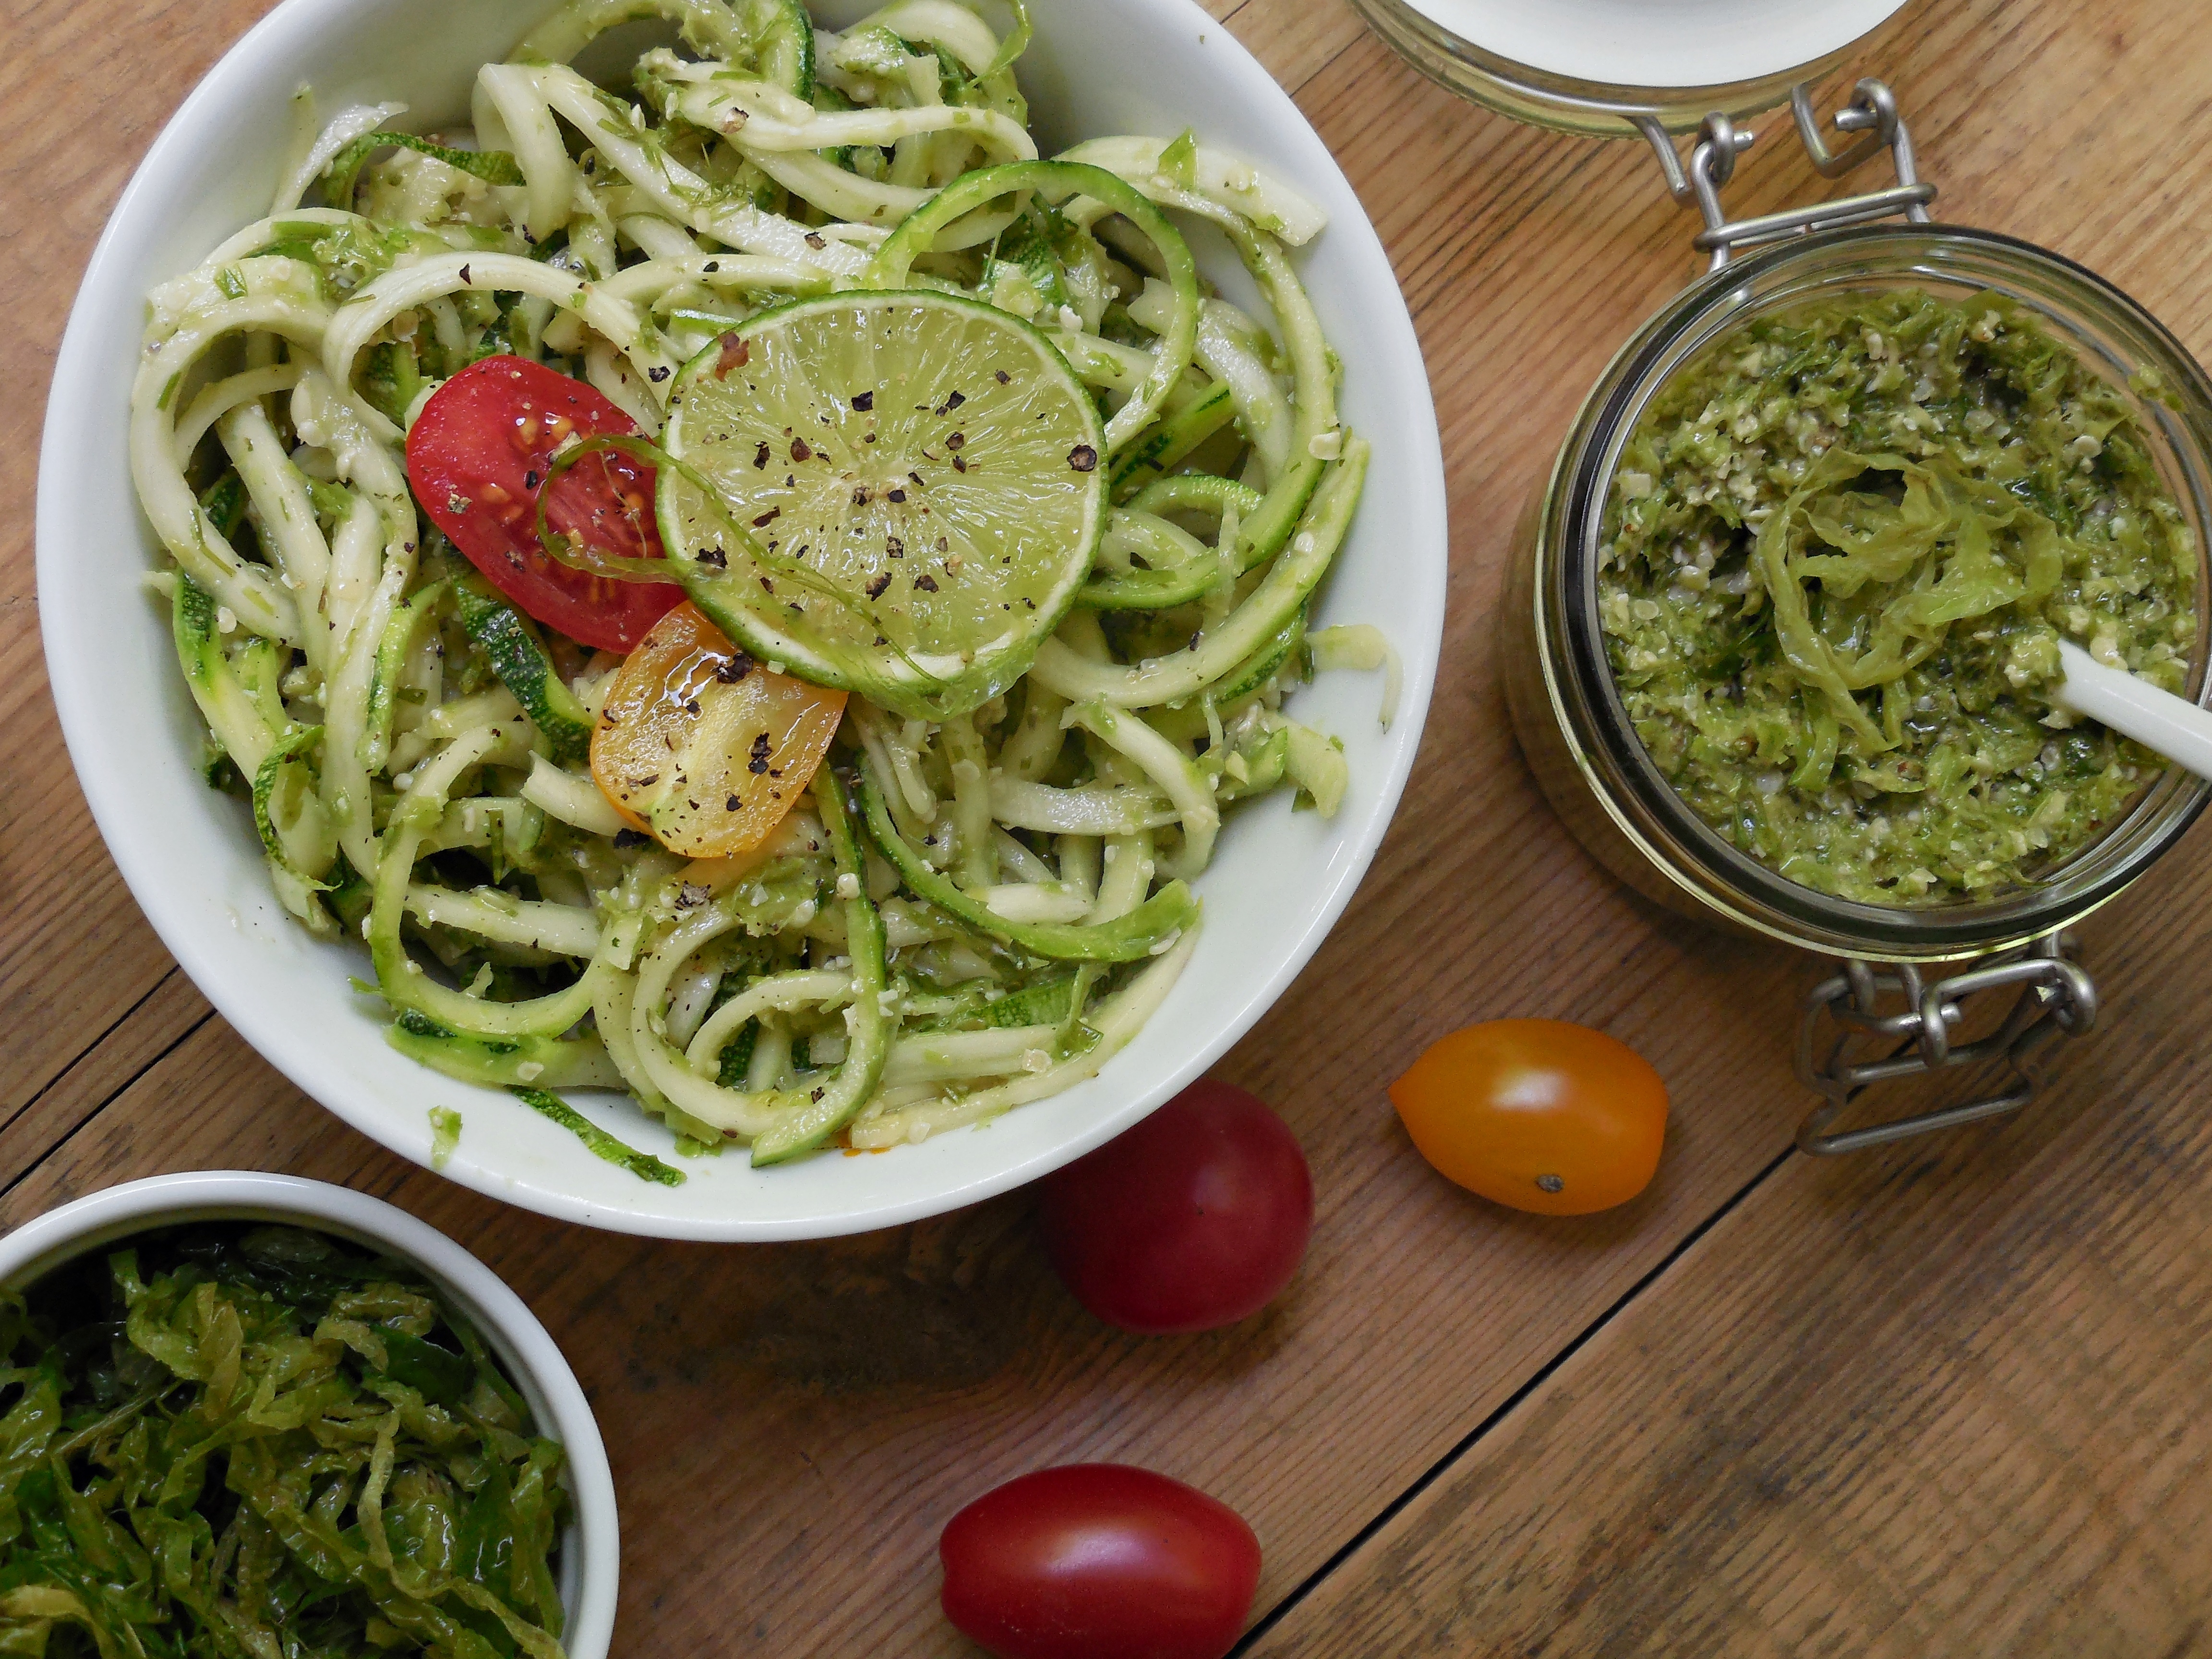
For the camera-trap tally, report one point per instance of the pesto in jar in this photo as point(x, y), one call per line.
point(1839, 552)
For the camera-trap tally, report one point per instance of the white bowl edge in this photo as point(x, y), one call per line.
point(197, 871)
point(591, 1549)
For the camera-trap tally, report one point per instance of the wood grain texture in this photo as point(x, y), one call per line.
point(78, 956)
point(1891, 1402)
point(1948, 1399)
point(165, 1017)
point(1295, 42)
point(790, 1426)
point(804, 1397)
point(825, 1408)
point(797, 1395)
point(867, 1378)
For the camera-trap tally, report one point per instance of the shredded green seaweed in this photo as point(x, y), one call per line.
point(236, 1442)
point(1840, 552)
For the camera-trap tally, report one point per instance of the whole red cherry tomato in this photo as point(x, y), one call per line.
point(1194, 1219)
point(477, 456)
point(1099, 1561)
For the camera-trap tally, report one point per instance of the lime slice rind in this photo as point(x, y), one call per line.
point(908, 493)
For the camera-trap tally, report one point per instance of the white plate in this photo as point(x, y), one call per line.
point(190, 854)
point(590, 1547)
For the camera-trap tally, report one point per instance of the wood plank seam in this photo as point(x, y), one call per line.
point(11, 1183)
point(1326, 66)
point(1443, 1465)
point(86, 1053)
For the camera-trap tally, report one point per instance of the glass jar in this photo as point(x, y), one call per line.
point(1571, 67)
point(1569, 713)
point(1576, 733)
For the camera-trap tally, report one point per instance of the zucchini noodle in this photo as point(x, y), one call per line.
point(958, 916)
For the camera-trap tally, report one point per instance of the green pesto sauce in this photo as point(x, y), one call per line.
point(1840, 550)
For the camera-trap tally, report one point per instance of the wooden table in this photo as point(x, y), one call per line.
point(1946, 1398)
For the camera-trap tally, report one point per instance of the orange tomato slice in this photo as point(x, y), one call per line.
point(703, 748)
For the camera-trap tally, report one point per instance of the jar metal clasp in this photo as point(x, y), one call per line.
point(2054, 996)
point(1871, 124)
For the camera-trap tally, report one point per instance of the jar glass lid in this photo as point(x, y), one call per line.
point(1660, 43)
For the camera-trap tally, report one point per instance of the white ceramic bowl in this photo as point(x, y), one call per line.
point(1279, 883)
point(590, 1549)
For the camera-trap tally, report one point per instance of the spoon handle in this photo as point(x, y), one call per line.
point(2174, 725)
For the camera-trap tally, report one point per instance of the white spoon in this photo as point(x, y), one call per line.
point(2135, 709)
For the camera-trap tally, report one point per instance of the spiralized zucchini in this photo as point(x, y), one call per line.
point(959, 916)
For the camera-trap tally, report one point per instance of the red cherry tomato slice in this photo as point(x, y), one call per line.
point(477, 457)
point(1194, 1218)
point(1099, 1561)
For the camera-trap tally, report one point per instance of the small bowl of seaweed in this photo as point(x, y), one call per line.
point(246, 1414)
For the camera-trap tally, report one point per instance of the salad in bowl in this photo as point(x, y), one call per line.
point(731, 574)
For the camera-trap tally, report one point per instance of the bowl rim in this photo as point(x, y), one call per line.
point(591, 1549)
point(75, 394)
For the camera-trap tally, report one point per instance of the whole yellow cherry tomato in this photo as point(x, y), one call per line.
point(1536, 1114)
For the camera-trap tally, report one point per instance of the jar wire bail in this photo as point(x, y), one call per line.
point(2056, 996)
point(1873, 123)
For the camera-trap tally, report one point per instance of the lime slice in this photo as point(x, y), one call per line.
point(907, 493)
